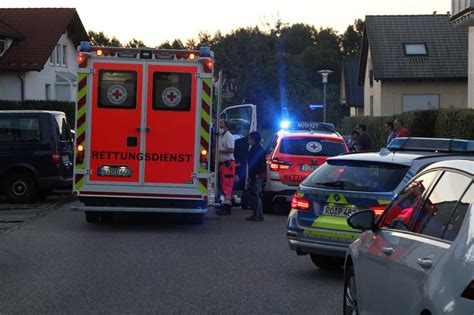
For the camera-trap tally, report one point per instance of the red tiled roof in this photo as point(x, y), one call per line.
point(36, 31)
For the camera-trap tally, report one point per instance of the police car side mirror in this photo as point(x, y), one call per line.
point(362, 220)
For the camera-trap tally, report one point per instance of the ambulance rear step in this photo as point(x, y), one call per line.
point(137, 209)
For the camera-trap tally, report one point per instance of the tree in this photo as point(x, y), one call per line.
point(102, 40)
point(177, 44)
point(135, 43)
point(352, 39)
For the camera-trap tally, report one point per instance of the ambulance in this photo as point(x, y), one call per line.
point(143, 130)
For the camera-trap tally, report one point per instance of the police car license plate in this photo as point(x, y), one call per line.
point(339, 211)
point(114, 171)
point(308, 168)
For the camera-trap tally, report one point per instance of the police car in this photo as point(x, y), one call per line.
point(352, 182)
point(293, 154)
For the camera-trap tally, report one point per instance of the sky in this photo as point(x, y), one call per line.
point(155, 21)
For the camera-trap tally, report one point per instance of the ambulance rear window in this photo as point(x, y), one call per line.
point(172, 91)
point(117, 89)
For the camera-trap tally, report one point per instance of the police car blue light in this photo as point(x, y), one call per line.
point(285, 124)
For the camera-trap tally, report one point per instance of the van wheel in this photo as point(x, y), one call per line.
point(20, 188)
point(92, 216)
point(327, 262)
point(267, 203)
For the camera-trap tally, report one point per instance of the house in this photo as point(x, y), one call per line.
point(463, 17)
point(411, 62)
point(38, 53)
point(352, 93)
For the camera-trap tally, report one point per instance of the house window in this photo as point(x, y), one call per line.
point(3, 46)
point(48, 92)
point(420, 102)
point(64, 55)
point(371, 105)
point(371, 78)
point(58, 54)
point(416, 49)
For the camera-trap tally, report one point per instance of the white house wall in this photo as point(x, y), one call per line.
point(470, 101)
point(374, 92)
point(35, 82)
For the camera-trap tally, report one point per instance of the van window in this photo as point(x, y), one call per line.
point(19, 130)
point(63, 128)
point(117, 89)
point(172, 91)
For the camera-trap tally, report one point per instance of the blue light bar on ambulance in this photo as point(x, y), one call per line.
point(205, 52)
point(432, 145)
point(85, 46)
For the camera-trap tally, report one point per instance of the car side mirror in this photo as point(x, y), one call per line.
point(362, 220)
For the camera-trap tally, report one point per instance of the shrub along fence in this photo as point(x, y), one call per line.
point(66, 107)
point(444, 123)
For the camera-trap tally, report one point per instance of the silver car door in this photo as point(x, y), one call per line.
point(417, 252)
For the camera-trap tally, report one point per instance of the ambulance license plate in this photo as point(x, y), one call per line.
point(114, 171)
point(308, 168)
point(339, 211)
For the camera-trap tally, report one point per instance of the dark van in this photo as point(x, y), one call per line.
point(36, 154)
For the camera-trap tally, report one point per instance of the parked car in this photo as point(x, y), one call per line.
point(36, 154)
point(346, 184)
point(293, 155)
point(418, 258)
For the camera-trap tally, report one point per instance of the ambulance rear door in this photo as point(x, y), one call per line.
point(172, 126)
point(242, 121)
point(115, 123)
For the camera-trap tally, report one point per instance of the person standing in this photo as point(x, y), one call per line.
point(400, 129)
point(389, 129)
point(353, 141)
point(363, 141)
point(256, 174)
point(226, 167)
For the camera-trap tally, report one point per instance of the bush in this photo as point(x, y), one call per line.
point(444, 123)
point(69, 108)
point(455, 123)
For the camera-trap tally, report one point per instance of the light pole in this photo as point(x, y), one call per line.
point(325, 74)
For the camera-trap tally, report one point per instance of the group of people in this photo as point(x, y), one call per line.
point(256, 171)
point(360, 140)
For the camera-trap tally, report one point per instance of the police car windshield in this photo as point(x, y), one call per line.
point(311, 146)
point(358, 176)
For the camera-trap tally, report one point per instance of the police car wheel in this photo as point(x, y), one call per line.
point(327, 262)
point(20, 188)
point(350, 293)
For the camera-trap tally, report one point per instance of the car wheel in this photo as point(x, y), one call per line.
point(350, 292)
point(20, 188)
point(267, 203)
point(327, 262)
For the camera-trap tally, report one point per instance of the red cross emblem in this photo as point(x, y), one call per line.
point(171, 96)
point(116, 94)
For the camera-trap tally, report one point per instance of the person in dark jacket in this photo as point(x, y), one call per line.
point(256, 174)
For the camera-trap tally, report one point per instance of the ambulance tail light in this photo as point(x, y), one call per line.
point(55, 157)
point(378, 209)
point(277, 165)
point(80, 154)
point(203, 158)
point(299, 203)
point(82, 59)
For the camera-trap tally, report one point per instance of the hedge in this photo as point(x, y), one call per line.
point(444, 123)
point(67, 107)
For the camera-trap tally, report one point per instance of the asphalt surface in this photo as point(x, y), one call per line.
point(57, 263)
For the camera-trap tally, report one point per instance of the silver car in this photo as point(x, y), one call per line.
point(418, 257)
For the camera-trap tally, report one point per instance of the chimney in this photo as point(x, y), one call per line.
point(434, 13)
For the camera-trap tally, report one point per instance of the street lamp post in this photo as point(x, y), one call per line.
point(325, 74)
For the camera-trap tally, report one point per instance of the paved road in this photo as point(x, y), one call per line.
point(57, 263)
